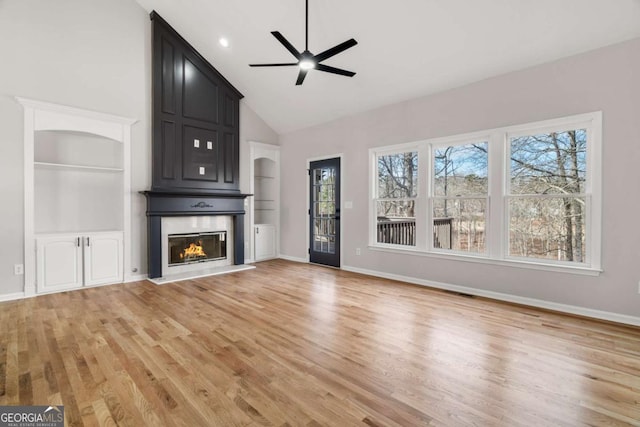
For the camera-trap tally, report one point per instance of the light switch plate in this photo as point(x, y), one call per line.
point(201, 170)
point(209, 145)
point(196, 143)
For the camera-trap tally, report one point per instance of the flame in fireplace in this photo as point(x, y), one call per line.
point(193, 251)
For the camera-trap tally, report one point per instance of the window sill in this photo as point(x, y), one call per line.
point(578, 270)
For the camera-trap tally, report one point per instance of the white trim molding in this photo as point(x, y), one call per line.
point(12, 297)
point(293, 259)
point(135, 278)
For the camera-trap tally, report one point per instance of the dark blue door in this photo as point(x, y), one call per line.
point(324, 212)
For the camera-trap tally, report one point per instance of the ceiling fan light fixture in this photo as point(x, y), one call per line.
point(306, 60)
point(307, 64)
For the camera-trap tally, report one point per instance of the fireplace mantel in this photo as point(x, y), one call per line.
point(169, 203)
point(185, 203)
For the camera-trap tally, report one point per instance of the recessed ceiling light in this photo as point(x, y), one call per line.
point(224, 42)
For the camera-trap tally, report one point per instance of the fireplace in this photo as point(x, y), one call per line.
point(193, 248)
point(185, 214)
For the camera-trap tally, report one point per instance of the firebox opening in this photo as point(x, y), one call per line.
point(197, 247)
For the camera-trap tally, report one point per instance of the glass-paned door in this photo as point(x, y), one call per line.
point(324, 212)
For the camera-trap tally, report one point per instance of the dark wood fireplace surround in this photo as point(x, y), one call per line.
point(195, 161)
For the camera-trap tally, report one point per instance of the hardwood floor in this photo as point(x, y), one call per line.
point(291, 344)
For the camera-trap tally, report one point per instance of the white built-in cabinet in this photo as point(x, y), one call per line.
point(71, 260)
point(77, 197)
point(265, 241)
point(265, 173)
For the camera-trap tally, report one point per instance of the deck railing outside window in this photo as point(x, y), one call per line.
point(402, 231)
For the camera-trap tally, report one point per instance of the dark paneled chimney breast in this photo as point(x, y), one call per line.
point(195, 161)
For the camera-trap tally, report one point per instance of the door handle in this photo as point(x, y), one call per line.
point(88, 243)
point(77, 241)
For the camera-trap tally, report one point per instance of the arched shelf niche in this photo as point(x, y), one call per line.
point(265, 202)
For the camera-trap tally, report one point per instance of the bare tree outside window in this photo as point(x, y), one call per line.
point(460, 191)
point(397, 188)
point(547, 214)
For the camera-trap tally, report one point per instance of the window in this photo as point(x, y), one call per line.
point(460, 194)
point(527, 194)
point(395, 200)
point(547, 200)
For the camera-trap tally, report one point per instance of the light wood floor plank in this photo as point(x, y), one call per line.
point(291, 344)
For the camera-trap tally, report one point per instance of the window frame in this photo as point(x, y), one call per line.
point(498, 195)
point(434, 144)
point(374, 153)
point(559, 125)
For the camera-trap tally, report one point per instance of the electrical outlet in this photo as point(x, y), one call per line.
point(18, 269)
point(358, 251)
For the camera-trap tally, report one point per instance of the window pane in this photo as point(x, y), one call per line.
point(396, 209)
point(550, 163)
point(548, 228)
point(323, 235)
point(323, 176)
point(396, 223)
point(398, 175)
point(460, 224)
point(461, 170)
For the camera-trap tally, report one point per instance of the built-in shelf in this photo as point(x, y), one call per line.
point(62, 208)
point(265, 215)
point(63, 166)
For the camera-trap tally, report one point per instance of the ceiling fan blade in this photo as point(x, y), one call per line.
point(335, 50)
point(285, 64)
point(286, 44)
point(334, 70)
point(301, 75)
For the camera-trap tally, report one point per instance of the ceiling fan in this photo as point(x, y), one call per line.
point(308, 61)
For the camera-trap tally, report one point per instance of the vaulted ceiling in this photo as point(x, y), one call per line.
point(406, 48)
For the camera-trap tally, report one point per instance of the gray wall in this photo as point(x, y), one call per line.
point(606, 79)
point(91, 54)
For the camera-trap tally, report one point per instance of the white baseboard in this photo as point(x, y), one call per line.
point(565, 308)
point(135, 278)
point(12, 297)
point(291, 258)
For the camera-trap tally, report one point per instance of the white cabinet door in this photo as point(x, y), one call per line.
point(265, 241)
point(103, 259)
point(58, 263)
